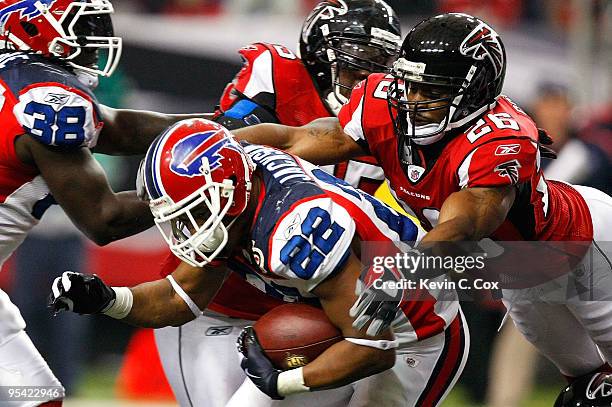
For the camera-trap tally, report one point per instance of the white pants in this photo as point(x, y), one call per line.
point(203, 370)
point(22, 365)
point(576, 334)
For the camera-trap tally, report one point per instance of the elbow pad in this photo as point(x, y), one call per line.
point(244, 113)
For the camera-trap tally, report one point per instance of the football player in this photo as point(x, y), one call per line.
point(296, 229)
point(466, 160)
point(49, 121)
point(341, 43)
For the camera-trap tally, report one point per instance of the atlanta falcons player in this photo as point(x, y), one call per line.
point(341, 43)
point(219, 203)
point(466, 160)
point(49, 119)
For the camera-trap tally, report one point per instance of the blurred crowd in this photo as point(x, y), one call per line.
point(498, 12)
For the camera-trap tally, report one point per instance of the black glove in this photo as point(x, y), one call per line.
point(80, 293)
point(256, 364)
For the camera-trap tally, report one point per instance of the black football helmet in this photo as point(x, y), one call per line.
point(457, 63)
point(358, 35)
point(593, 390)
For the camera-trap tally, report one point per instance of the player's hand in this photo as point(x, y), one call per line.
point(375, 307)
point(80, 293)
point(256, 364)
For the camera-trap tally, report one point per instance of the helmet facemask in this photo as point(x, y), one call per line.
point(438, 96)
point(88, 38)
point(351, 59)
point(194, 228)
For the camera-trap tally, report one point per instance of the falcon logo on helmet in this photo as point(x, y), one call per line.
point(188, 154)
point(599, 386)
point(483, 42)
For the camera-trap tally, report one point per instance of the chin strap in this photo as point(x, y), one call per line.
point(333, 103)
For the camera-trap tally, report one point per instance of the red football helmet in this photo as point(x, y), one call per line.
point(75, 31)
point(196, 175)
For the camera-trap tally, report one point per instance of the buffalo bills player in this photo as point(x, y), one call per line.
point(49, 121)
point(341, 43)
point(466, 160)
point(295, 229)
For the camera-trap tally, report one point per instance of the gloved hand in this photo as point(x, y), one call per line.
point(376, 306)
point(256, 364)
point(80, 293)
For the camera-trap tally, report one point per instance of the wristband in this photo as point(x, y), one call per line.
point(291, 382)
point(122, 305)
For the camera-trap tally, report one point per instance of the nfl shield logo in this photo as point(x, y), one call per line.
point(415, 172)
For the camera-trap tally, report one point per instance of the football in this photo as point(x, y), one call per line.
point(292, 335)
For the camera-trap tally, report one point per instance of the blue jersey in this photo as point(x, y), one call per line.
point(304, 225)
point(49, 103)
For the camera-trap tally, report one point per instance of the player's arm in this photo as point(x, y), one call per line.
point(342, 363)
point(174, 300)
point(471, 214)
point(322, 141)
point(244, 112)
point(78, 183)
point(128, 132)
point(346, 362)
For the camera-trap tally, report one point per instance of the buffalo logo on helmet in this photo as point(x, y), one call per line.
point(187, 154)
point(483, 42)
point(28, 9)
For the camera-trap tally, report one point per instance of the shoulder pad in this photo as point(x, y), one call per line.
point(311, 241)
point(58, 115)
point(252, 51)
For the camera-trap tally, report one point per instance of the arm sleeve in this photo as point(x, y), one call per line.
point(243, 113)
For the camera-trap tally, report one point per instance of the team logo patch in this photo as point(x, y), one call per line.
point(600, 386)
point(508, 149)
point(483, 42)
point(415, 172)
point(187, 154)
point(27, 8)
point(219, 330)
point(509, 169)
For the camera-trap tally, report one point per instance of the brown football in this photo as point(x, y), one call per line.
point(293, 335)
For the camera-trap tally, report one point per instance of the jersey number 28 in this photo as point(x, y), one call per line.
point(305, 252)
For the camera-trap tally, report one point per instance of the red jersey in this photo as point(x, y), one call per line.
point(275, 78)
point(499, 149)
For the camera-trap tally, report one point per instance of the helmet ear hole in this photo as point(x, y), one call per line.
point(29, 28)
